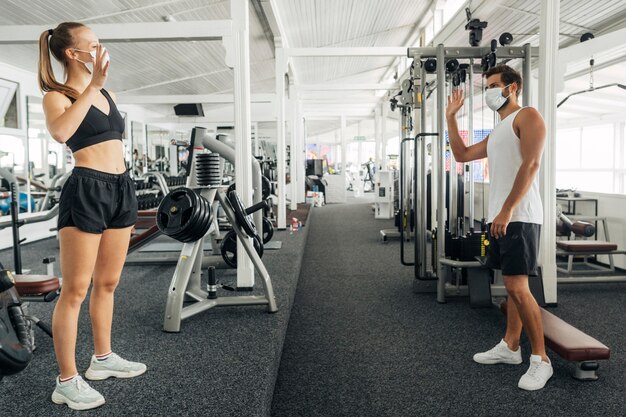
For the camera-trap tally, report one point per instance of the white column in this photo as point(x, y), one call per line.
point(301, 148)
point(243, 142)
point(384, 107)
point(257, 144)
point(548, 52)
point(378, 137)
point(293, 171)
point(280, 133)
point(344, 148)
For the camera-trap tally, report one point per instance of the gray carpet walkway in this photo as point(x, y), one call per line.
point(223, 363)
point(361, 343)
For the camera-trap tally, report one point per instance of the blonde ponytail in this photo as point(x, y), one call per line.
point(55, 41)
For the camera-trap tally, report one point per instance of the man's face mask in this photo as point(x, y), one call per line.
point(494, 98)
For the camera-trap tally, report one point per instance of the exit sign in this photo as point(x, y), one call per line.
point(359, 138)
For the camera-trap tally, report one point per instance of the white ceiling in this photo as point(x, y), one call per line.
point(198, 67)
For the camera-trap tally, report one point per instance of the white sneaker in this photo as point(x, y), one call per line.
point(77, 394)
point(114, 366)
point(537, 375)
point(499, 354)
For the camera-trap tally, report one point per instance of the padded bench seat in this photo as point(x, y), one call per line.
point(573, 345)
point(585, 249)
point(586, 246)
point(27, 285)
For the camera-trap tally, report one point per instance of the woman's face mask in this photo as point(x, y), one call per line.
point(89, 65)
point(494, 98)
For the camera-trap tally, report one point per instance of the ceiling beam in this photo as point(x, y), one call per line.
point(190, 98)
point(341, 100)
point(346, 51)
point(584, 50)
point(195, 120)
point(202, 30)
point(596, 67)
point(265, 24)
point(340, 87)
point(319, 116)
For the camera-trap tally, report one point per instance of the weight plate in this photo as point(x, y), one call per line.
point(266, 187)
point(268, 230)
point(183, 215)
point(228, 248)
point(175, 209)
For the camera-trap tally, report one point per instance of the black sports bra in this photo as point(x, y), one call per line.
point(97, 126)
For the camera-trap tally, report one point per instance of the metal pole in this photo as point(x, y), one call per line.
point(15, 208)
point(383, 111)
point(470, 142)
point(406, 191)
point(421, 177)
point(526, 75)
point(549, 30)
point(243, 145)
point(293, 147)
point(441, 190)
point(280, 133)
point(416, 173)
point(402, 167)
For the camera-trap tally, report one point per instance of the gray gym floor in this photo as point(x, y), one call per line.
point(358, 342)
point(223, 363)
point(361, 343)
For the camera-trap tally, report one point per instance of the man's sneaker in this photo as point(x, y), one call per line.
point(537, 375)
point(499, 354)
point(113, 366)
point(77, 394)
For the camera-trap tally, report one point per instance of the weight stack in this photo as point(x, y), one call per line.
point(473, 245)
point(208, 169)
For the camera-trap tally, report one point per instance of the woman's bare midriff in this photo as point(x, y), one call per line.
point(104, 156)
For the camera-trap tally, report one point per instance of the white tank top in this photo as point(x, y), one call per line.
point(505, 158)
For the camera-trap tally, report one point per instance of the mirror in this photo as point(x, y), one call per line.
point(138, 140)
point(158, 155)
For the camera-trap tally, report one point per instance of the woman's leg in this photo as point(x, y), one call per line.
point(111, 257)
point(78, 257)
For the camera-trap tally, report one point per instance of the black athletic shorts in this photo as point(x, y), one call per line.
point(517, 252)
point(94, 201)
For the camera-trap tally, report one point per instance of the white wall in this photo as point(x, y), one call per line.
point(611, 206)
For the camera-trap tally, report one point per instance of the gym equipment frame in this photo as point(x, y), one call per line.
point(425, 280)
point(185, 284)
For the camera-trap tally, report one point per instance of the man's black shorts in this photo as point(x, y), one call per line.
point(517, 252)
point(94, 201)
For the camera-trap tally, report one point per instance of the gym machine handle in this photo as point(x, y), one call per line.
point(403, 215)
point(417, 245)
point(258, 206)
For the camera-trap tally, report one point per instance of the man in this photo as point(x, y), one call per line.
point(514, 150)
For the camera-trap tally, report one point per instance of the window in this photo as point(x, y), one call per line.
point(9, 117)
point(591, 158)
point(568, 148)
point(597, 147)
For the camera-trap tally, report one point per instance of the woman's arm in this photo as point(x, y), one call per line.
point(63, 120)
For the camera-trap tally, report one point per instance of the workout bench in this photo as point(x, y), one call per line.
point(586, 248)
point(572, 345)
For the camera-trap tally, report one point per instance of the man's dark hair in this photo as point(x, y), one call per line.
point(507, 74)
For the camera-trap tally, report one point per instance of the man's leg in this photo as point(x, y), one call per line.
point(513, 325)
point(528, 311)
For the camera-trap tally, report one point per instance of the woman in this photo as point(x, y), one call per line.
point(97, 209)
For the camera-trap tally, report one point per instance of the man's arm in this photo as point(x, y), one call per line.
point(461, 152)
point(532, 138)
